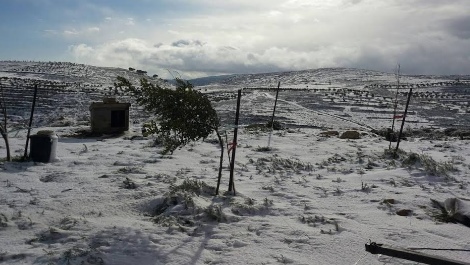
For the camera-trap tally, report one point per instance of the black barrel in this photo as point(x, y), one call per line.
point(42, 148)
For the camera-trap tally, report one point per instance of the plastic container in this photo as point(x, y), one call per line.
point(43, 146)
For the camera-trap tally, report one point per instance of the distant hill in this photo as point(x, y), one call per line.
point(67, 89)
point(67, 72)
point(63, 88)
point(297, 78)
point(203, 81)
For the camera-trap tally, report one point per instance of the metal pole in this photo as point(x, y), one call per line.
point(404, 117)
point(30, 121)
point(231, 185)
point(375, 248)
point(274, 111)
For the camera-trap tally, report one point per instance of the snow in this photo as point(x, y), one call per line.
point(310, 199)
point(79, 207)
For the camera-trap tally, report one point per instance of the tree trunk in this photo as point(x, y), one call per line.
point(7, 145)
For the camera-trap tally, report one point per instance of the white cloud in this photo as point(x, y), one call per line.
point(81, 51)
point(120, 53)
point(50, 32)
point(130, 22)
point(309, 4)
point(274, 13)
point(81, 33)
point(70, 32)
point(93, 29)
point(430, 36)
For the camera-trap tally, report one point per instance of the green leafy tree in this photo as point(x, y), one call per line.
point(182, 114)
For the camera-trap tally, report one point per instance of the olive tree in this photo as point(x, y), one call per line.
point(182, 114)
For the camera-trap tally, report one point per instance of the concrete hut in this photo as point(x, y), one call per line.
point(109, 116)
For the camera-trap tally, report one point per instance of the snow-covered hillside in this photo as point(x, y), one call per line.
point(341, 96)
point(65, 90)
point(313, 197)
point(310, 98)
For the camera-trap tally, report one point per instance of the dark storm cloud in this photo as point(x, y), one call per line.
point(433, 57)
point(182, 43)
point(459, 27)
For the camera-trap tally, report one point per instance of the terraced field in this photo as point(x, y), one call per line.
point(312, 98)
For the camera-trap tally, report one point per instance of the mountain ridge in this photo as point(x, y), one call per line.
point(88, 73)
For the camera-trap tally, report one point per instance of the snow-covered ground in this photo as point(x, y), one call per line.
point(309, 199)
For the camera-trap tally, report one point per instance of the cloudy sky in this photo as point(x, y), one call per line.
point(211, 37)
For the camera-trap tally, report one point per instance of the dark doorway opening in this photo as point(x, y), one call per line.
point(118, 118)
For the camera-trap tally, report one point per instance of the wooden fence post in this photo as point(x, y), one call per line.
point(274, 111)
point(30, 122)
point(231, 185)
point(404, 117)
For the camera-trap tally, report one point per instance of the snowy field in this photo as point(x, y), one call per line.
point(312, 198)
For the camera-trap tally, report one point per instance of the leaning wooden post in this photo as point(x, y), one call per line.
point(30, 122)
point(274, 111)
point(403, 121)
point(231, 185)
point(395, 108)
